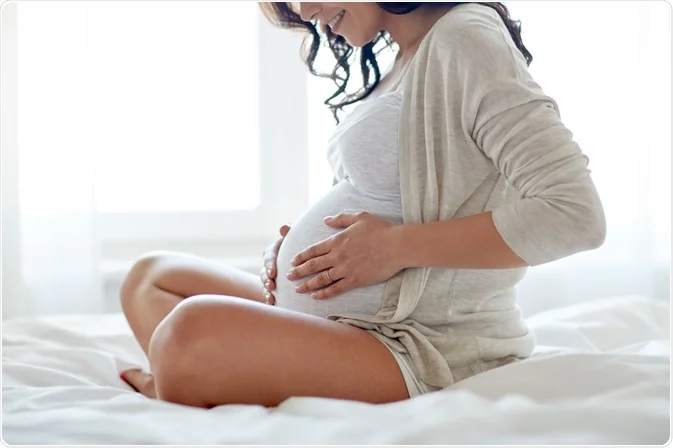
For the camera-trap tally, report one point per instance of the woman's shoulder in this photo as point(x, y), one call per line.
point(469, 29)
point(472, 39)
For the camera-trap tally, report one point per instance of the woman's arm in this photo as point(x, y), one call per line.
point(489, 98)
point(472, 242)
point(556, 212)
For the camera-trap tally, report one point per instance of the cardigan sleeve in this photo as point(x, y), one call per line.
point(508, 117)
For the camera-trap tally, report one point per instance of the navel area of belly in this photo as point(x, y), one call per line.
point(310, 229)
point(361, 301)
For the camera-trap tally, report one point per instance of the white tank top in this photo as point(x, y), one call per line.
point(362, 152)
point(363, 148)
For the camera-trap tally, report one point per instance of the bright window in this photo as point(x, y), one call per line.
point(176, 105)
point(152, 111)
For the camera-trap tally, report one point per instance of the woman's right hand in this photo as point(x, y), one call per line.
point(269, 271)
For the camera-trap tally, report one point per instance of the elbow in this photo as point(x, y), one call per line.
point(589, 227)
point(601, 230)
point(596, 233)
point(573, 227)
point(579, 216)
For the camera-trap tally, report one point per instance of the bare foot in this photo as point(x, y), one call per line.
point(140, 381)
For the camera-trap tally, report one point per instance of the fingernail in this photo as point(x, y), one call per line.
point(268, 285)
point(268, 272)
point(315, 295)
point(299, 289)
point(289, 275)
point(123, 376)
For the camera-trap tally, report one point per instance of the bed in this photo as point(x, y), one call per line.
point(600, 375)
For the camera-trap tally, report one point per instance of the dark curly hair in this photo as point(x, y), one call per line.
point(283, 15)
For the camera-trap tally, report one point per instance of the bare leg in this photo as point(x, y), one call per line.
point(213, 350)
point(159, 281)
point(220, 349)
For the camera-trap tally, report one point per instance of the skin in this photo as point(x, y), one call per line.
point(209, 334)
point(218, 348)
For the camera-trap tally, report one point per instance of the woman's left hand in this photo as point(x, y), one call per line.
point(363, 254)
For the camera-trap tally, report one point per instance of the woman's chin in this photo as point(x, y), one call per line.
point(356, 41)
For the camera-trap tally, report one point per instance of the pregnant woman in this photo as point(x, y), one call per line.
point(453, 174)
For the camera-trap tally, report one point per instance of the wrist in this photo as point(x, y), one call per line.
point(401, 249)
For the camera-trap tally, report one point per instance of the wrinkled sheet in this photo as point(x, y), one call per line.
point(600, 375)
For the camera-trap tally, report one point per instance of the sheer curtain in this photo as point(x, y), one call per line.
point(50, 251)
point(9, 164)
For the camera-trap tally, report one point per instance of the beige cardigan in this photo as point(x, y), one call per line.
point(478, 134)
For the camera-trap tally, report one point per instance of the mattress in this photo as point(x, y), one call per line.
point(600, 375)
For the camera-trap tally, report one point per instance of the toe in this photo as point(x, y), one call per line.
point(140, 381)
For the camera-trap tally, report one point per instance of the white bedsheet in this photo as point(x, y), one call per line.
point(600, 375)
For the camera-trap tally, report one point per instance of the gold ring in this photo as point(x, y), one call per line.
point(267, 296)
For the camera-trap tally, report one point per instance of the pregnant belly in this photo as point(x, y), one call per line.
point(310, 229)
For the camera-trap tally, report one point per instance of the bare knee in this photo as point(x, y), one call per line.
point(143, 274)
point(175, 353)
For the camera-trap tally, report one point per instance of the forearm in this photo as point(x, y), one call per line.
point(465, 243)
